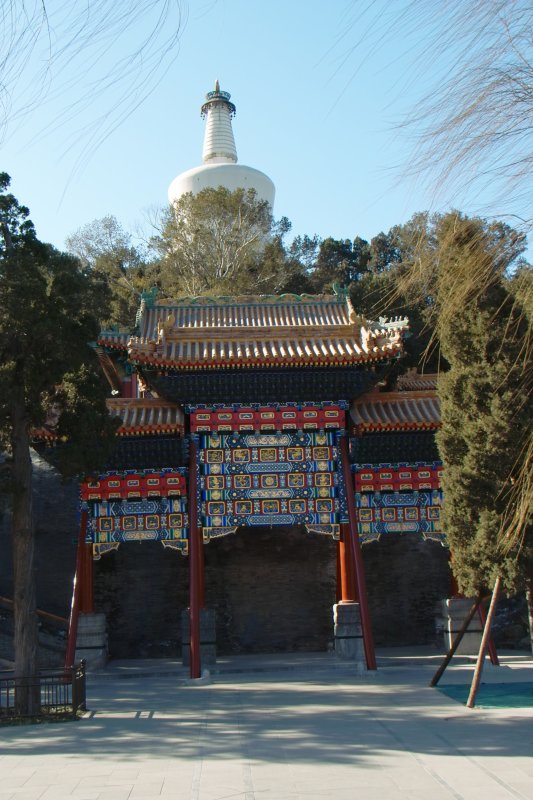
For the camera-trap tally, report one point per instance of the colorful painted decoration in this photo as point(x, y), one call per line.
point(259, 478)
point(273, 417)
point(133, 484)
point(112, 522)
point(397, 477)
point(399, 512)
point(269, 479)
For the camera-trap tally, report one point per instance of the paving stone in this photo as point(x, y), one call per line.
point(28, 794)
point(302, 734)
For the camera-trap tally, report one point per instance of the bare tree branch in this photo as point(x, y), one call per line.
point(112, 52)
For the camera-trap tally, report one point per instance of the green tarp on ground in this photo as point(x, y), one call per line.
point(493, 695)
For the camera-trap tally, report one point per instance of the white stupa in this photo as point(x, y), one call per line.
point(220, 166)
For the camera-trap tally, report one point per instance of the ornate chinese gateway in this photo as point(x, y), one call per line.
point(245, 412)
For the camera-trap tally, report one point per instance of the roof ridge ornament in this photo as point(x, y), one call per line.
point(249, 299)
point(150, 296)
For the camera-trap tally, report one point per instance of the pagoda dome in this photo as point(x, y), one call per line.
point(220, 167)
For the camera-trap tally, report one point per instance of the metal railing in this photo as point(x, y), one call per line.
point(51, 693)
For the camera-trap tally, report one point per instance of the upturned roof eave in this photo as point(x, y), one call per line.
point(149, 360)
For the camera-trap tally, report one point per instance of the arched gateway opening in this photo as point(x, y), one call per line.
point(259, 439)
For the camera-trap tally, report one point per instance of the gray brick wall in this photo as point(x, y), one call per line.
point(56, 535)
point(272, 589)
point(406, 577)
point(142, 589)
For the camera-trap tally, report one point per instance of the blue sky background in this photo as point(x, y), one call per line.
point(318, 91)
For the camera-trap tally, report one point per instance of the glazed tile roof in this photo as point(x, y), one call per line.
point(245, 332)
point(397, 446)
point(149, 451)
point(290, 311)
point(277, 351)
point(414, 381)
point(146, 415)
point(114, 340)
point(382, 411)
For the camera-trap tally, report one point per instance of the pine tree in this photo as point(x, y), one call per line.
point(45, 361)
point(463, 270)
point(486, 420)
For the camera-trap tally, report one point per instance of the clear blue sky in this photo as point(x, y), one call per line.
point(315, 112)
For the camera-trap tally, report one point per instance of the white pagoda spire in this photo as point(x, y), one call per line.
point(220, 166)
point(219, 144)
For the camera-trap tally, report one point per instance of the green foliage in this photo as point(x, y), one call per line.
point(46, 364)
point(460, 268)
point(345, 262)
point(340, 261)
point(520, 284)
point(117, 269)
point(47, 321)
point(220, 242)
point(468, 295)
point(83, 425)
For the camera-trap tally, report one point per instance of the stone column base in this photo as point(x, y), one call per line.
point(208, 638)
point(348, 633)
point(91, 642)
point(453, 613)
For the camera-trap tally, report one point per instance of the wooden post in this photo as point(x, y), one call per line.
point(454, 589)
point(87, 583)
point(77, 591)
point(357, 556)
point(493, 653)
point(348, 589)
point(201, 569)
point(483, 647)
point(194, 577)
point(529, 601)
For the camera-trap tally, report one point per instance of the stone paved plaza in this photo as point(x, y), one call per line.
point(270, 729)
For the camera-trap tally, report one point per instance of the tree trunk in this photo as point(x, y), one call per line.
point(25, 617)
point(529, 600)
point(476, 680)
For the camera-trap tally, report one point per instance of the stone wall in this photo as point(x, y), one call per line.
point(406, 577)
point(56, 536)
point(272, 590)
point(142, 588)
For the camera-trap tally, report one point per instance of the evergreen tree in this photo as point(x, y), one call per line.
point(340, 261)
point(46, 363)
point(462, 270)
point(487, 415)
